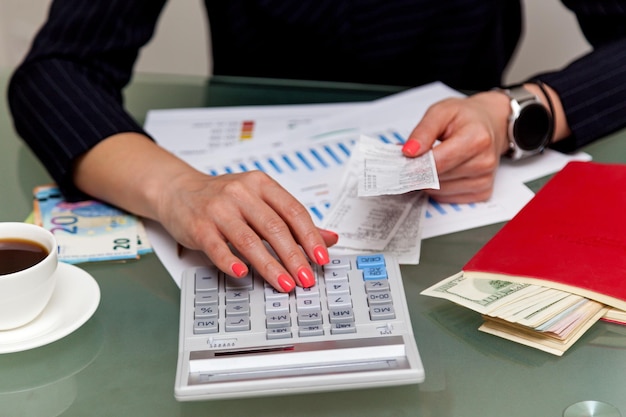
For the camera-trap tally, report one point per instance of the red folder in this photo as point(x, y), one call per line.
point(570, 236)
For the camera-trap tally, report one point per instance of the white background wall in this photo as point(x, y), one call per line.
point(180, 46)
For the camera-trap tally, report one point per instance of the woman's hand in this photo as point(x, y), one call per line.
point(472, 132)
point(243, 210)
point(209, 213)
point(473, 135)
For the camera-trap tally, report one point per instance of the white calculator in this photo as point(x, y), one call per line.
point(239, 337)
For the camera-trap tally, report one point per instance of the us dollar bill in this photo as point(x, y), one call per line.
point(481, 295)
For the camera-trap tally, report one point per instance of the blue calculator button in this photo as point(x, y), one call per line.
point(368, 261)
point(374, 273)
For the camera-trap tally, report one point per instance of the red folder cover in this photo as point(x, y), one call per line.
point(570, 236)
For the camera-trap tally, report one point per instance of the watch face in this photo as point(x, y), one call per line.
point(532, 128)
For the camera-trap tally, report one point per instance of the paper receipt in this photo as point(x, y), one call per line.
point(385, 170)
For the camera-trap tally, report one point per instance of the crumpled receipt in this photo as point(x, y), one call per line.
point(384, 170)
point(390, 221)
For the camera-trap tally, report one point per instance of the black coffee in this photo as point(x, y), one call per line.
point(19, 254)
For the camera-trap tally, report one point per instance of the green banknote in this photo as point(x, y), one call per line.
point(87, 231)
point(481, 295)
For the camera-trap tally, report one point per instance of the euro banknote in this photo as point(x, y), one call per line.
point(90, 230)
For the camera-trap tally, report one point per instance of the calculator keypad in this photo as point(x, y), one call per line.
point(223, 304)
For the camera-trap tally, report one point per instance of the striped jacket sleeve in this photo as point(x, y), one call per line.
point(66, 96)
point(593, 87)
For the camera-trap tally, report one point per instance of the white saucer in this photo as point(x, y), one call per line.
point(74, 300)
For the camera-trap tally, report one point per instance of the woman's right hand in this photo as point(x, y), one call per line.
point(245, 210)
point(209, 213)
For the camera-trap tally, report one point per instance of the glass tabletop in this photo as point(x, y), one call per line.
point(122, 362)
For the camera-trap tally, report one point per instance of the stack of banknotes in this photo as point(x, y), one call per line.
point(89, 231)
point(539, 317)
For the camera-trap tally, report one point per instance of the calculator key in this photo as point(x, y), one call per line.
point(206, 298)
point(272, 294)
point(376, 285)
point(345, 315)
point(237, 309)
point(203, 312)
point(237, 324)
point(379, 297)
point(343, 328)
point(340, 287)
point(309, 331)
point(338, 262)
point(369, 261)
point(310, 318)
point(307, 292)
point(234, 296)
point(375, 273)
point(304, 304)
point(243, 283)
point(382, 312)
point(333, 275)
point(206, 279)
point(277, 307)
point(281, 333)
point(339, 302)
point(277, 320)
point(205, 326)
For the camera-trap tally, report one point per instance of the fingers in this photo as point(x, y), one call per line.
point(464, 190)
point(253, 209)
point(467, 152)
point(432, 127)
point(330, 238)
point(252, 248)
point(287, 226)
point(467, 156)
point(465, 177)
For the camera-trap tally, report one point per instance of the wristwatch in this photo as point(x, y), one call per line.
point(530, 123)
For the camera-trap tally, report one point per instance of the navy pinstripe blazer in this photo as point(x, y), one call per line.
point(67, 94)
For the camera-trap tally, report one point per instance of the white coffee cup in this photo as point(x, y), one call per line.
point(25, 293)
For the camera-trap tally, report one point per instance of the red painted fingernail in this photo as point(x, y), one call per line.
point(239, 269)
point(331, 233)
point(286, 282)
point(321, 255)
point(411, 147)
point(306, 277)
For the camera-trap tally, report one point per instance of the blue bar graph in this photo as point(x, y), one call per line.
point(319, 158)
point(275, 165)
point(316, 212)
point(434, 204)
point(312, 157)
point(345, 149)
point(455, 207)
point(399, 137)
point(332, 154)
point(289, 163)
point(306, 163)
point(434, 208)
point(258, 166)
